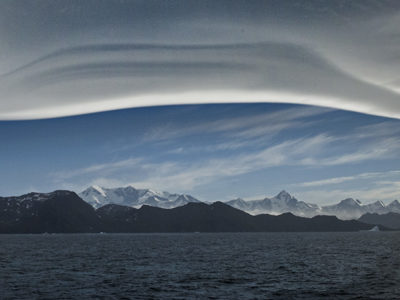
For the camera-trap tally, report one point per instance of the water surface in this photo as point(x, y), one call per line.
point(224, 266)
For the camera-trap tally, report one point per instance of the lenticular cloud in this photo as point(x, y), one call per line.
point(327, 54)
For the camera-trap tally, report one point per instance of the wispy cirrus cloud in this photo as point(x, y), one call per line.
point(386, 192)
point(377, 130)
point(103, 168)
point(196, 148)
point(242, 127)
point(187, 175)
point(383, 149)
point(337, 180)
point(300, 152)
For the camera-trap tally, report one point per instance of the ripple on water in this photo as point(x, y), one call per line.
point(227, 266)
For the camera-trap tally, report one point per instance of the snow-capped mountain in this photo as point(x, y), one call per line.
point(394, 206)
point(129, 196)
point(345, 209)
point(283, 202)
point(353, 209)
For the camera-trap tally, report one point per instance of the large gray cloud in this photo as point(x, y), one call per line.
point(70, 57)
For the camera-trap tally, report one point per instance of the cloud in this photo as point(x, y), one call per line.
point(370, 193)
point(105, 168)
point(240, 127)
point(377, 130)
point(367, 187)
point(196, 53)
point(337, 180)
point(186, 175)
point(387, 148)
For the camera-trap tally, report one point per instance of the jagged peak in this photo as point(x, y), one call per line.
point(94, 188)
point(283, 195)
point(238, 199)
point(380, 203)
point(186, 197)
point(128, 188)
point(351, 201)
point(149, 191)
point(101, 190)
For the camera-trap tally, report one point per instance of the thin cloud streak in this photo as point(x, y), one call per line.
point(186, 176)
point(175, 175)
point(241, 127)
point(337, 180)
point(384, 192)
point(105, 168)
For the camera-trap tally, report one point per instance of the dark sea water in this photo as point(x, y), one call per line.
point(220, 266)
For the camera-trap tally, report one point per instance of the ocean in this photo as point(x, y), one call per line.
point(360, 265)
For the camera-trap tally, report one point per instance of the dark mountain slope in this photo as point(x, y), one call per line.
point(390, 220)
point(217, 217)
point(292, 223)
point(59, 211)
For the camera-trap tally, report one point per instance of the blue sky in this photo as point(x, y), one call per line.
point(213, 152)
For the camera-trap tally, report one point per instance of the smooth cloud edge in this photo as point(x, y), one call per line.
point(198, 97)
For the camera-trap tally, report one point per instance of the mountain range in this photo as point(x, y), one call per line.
point(346, 209)
point(66, 212)
point(283, 202)
point(129, 196)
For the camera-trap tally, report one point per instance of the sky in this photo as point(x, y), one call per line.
point(213, 152)
point(116, 92)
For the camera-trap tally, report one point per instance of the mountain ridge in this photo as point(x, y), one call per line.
point(346, 209)
point(66, 212)
point(389, 220)
point(130, 196)
point(283, 202)
point(59, 211)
